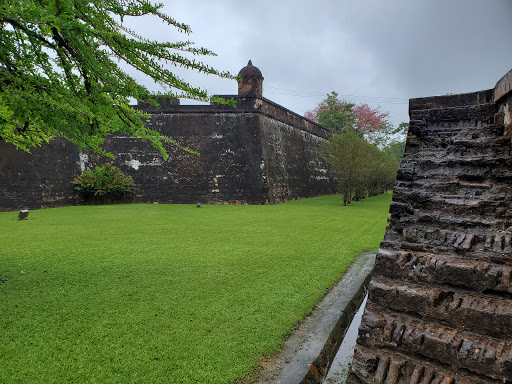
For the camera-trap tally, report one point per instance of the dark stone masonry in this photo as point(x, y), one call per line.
point(440, 299)
point(258, 153)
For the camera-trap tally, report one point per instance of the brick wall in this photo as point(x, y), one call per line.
point(258, 153)
point(38, 180)
point(440, 299)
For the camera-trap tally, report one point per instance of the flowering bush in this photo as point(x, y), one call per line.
point(106, 182)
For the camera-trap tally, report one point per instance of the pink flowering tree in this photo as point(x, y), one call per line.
point(369, 119)
point(365, 151)
point(340, 116)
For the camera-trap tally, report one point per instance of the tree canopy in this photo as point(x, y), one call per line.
point(60, 72)
point(340, 116)
point(334, 114)
point(365, 151)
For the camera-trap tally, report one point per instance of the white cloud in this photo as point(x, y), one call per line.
point(389, 50)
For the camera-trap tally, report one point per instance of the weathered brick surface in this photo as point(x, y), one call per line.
point(258, 153)
point(228, 169)
point(386, 366)
point(440, 300)
point(291, 164)
point(491, 315)
point(459, 348)
point(37, 180)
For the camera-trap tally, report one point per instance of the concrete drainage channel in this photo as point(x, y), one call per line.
point(338, 372)
point(309, 352)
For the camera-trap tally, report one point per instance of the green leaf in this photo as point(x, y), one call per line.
point(60, 71)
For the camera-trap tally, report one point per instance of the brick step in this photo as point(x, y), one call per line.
point(477, 165)
point(490, 256)
point(390, 367)
point(483, 276)
point(497, 243)
point(457, 244)
point(452, 156)
point(451, 194)
point(473, 136)
point(471, 130)
point(484, 314)
point(452, 205)
point(483, 113)
point(441, 220)
point(499, 174)
point(458, 162)
point(475, 186)
point(500, 170)
point(459, 348)
point(496, 148)
point(460, 154)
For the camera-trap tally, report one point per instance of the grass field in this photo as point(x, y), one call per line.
point(168, 293)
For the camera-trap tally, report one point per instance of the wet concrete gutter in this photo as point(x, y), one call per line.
point(308, 353)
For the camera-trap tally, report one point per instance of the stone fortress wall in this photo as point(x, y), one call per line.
point(440, 299)
point(258, 153)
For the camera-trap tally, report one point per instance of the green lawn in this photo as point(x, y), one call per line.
point(168, 293)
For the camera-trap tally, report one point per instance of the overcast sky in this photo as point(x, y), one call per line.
point(381, 52)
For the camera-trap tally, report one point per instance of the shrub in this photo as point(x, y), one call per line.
point(106, 182)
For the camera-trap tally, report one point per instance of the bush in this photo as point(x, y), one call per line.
point(106, 182)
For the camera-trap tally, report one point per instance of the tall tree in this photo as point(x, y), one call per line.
point(339, 116)
point(354, 152)
point(334, 114)
point(60, 72)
